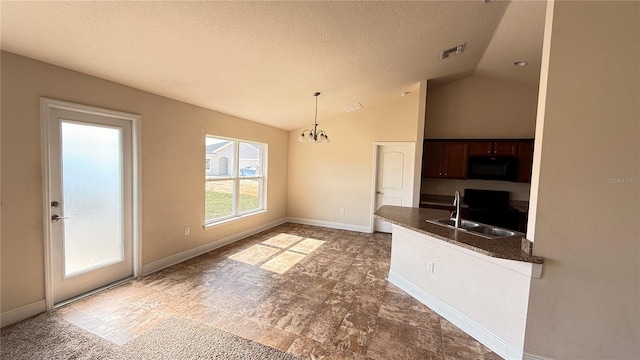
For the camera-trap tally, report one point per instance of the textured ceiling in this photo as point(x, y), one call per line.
point(263, 60)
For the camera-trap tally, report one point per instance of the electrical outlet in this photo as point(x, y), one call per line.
point(430, 266)
point(341, 210)
point(187, 231)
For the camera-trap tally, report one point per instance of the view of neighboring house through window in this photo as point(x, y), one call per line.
point(234, 178)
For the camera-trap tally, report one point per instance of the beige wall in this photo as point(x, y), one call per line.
point(326, 177)
point(479, 107)
point(172, 173)
point(587, 304)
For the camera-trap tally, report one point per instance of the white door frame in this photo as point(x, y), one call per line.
point(46, 105)
point(374, 176)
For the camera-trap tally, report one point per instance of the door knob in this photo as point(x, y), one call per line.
point(379, 193)
point(56, 218)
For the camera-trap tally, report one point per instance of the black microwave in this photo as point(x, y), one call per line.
point(493, 168)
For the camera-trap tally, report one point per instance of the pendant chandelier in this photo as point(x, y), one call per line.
point(315, 134)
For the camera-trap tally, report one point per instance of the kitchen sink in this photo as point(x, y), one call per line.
point(492, 231)
point(487, 231)
point(464, 224)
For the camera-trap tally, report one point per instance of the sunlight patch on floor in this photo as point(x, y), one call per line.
point(282, 241)
point(283, 262)
point(255, 254)
point(307, 246)
point(278, 253)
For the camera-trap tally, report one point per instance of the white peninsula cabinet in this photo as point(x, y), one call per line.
point(485, 296)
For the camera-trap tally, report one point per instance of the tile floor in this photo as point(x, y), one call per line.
point(314, 292)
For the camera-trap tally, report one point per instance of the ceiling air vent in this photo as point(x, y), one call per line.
point(354, 107)
point(453, 51)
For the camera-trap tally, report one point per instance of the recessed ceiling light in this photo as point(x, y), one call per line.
point(520, 63)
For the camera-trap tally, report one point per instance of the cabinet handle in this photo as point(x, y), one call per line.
point(445, 174)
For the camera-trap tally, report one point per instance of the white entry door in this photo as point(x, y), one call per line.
point(394, 178)
point(90, 200)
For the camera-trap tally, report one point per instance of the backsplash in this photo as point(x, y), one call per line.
point(517, 191)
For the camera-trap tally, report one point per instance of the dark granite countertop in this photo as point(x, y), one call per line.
point(447, 200)
point(510, 248)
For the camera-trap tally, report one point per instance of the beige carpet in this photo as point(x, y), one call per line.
point(49, 337)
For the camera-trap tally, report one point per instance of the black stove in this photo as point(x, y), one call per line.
point(491, 207)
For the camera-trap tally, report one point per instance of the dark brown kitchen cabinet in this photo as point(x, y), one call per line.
point(445, 159)
point(480, 148)
point(493, 148)
point(432, 160)
point(525, 160)
point(455, 159)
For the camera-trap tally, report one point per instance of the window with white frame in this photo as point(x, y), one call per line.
point(234, 178)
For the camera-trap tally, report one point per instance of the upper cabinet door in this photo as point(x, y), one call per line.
point(505, 148)
point(480, 148)
point(455, 159)
point(432, 159)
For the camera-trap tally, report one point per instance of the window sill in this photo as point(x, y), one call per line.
point(233, 219)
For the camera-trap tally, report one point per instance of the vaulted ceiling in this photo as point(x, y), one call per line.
point(264, 60)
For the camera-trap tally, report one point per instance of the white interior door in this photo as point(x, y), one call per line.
point(90, 201)
point(394, 178)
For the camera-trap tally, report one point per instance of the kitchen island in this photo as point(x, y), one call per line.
point(479, 284)
point(511, 248)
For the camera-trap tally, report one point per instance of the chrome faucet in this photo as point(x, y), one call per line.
point(456, 202)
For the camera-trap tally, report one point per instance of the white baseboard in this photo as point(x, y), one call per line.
point(529, 356)
point(486, 337)
point(22, 313)
point(191, 253)
point(329, 224)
